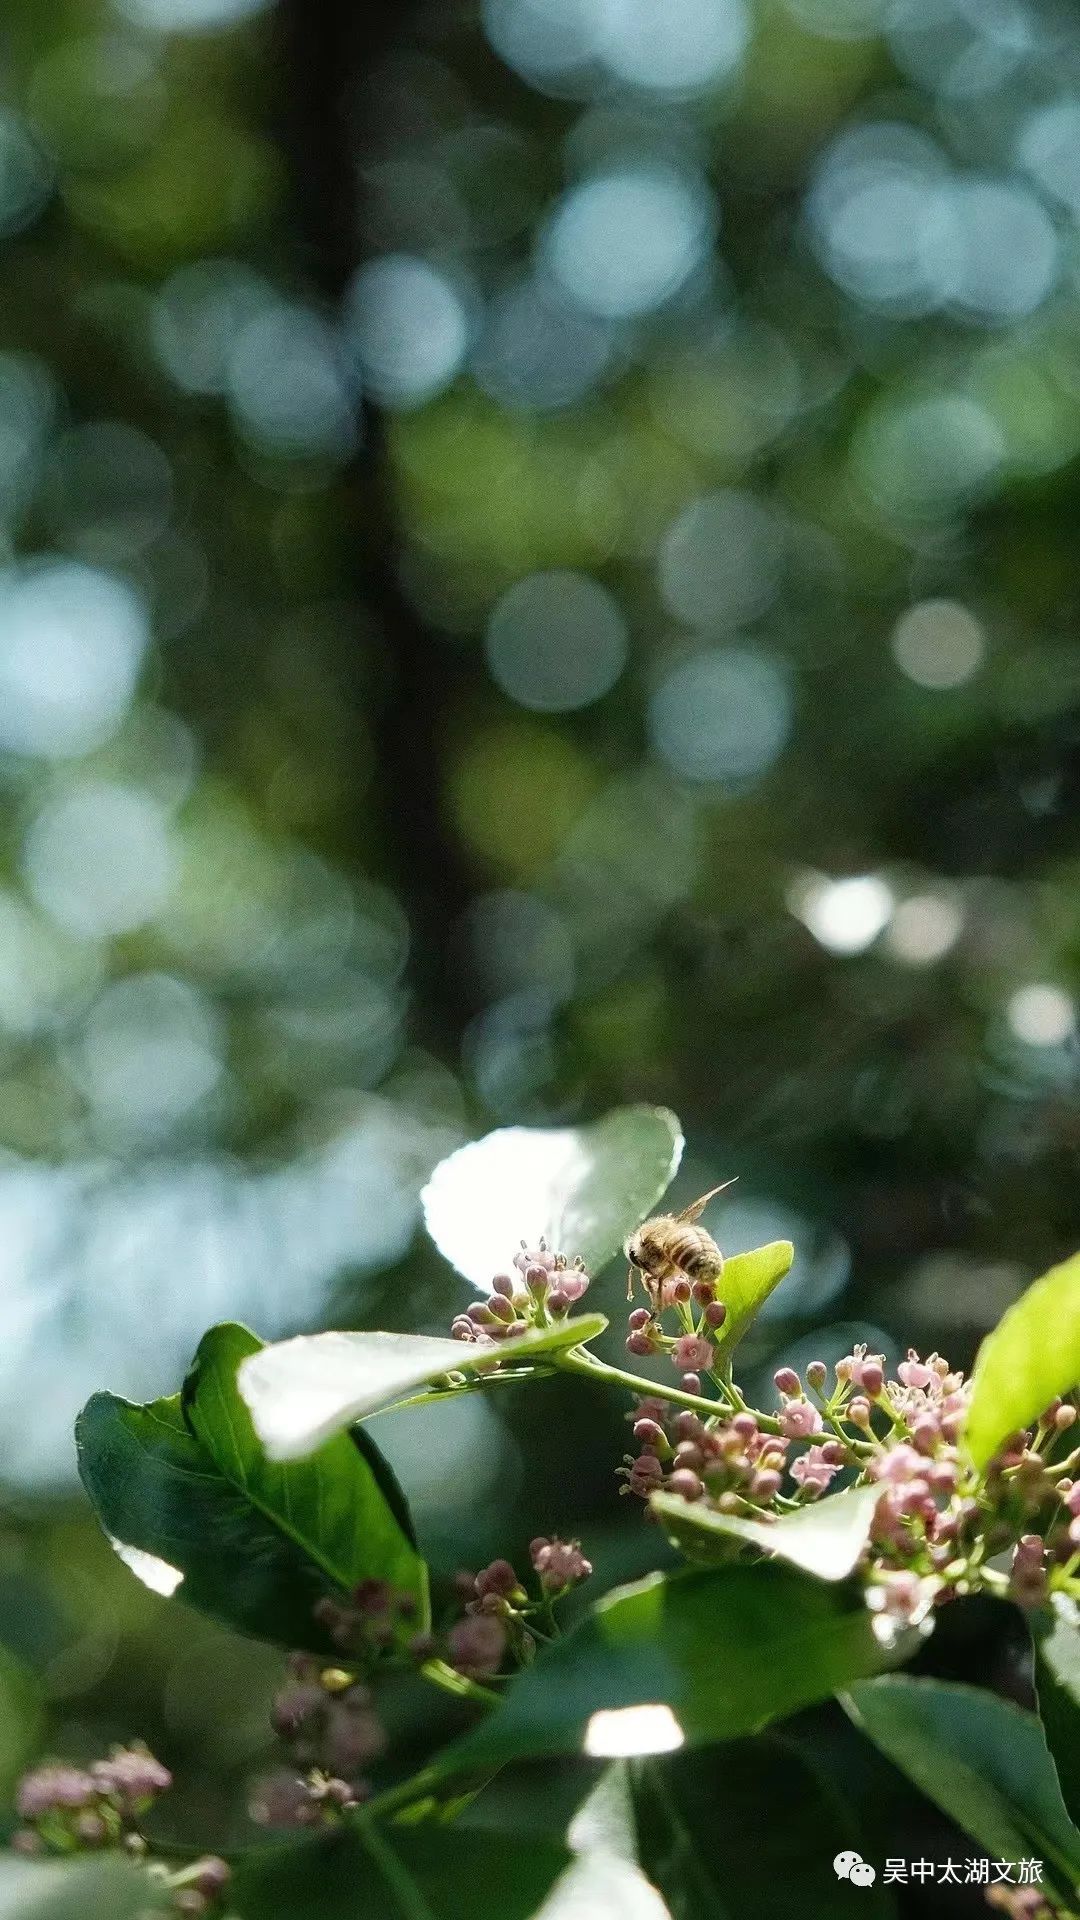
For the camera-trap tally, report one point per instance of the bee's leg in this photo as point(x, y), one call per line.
point(629, 1283)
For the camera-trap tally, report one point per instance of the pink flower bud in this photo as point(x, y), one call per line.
point(639, 1343)
point(786, 1380)
point(871, 1378)
point(766, 1484)
point(558, 1301)
point(817, 1373)
point(476, 1644)
point(859, 1411)
point(680, 1291)
point(685, 1484)
point(1064, 1418)
point(691, 1383)
point(503, 1284)
point(536, 1279)
point(574, 1283)
point(479, 1314)
point(638, 1319)
point(715, 1314)
point(703, 1292)
point(499, 1578)
point(501, 1307)
point(650, 1433)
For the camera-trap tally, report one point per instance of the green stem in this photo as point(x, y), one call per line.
point(577, 1360)
point(410, 1901)
point(451, 1681)
point(419, 1786)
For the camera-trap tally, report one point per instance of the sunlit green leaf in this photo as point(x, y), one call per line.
point(303, 1391)
point(1057, 1679)
point(583, 1189)
point(682, 1659)
point(1032, 1356)
point(824, 1538)
point(102, 1890)
point(748, 1279)
point(982, 1760)
point(400, 1873)
point(342, 1506)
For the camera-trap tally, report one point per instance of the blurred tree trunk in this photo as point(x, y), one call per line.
point(327, 47)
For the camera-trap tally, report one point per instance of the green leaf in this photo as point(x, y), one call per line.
point(1032, 1356)
point(982, 1760)
point(583, 1189)
point(748, 1280)
point(706, 1655)
point(1057, 1681)
point(824, 1538)
point(183, 1526)
point(55, 1890)
point(303, 1391)
point(399, 1873)
point(341, 1506)
point(694, 1815)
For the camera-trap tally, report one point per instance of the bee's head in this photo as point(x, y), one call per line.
point(635, 1251)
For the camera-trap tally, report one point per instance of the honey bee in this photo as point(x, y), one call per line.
point(673, 1247)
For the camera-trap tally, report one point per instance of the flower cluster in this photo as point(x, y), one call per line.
point(500, 1617)
point(374, 1621)
point(70, 1809)
point(938, 1529)
point(326, 1720)
point(546, 1286)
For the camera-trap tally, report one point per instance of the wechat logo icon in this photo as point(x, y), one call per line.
point(851, 1866)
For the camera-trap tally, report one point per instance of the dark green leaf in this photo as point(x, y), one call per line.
point(1032, 1356)
point(691, 1657)
point(340, 1506)
point(694, 1815)
point(982, 1760)
point(583, 1189)
point(400, 1873)
point(181, 1526)
point(302, 1392)
point(824, 1538)
point(1057, 1678)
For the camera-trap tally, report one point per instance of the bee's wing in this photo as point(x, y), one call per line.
point(697, 1207)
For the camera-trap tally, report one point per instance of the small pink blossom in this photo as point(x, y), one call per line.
point(914, 1372)
point(692, 1353)
point(798, 1419)
point(813, 1471)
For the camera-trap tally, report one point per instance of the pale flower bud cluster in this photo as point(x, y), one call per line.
point(543, 1288)
point(326, 1719)
point(72, 1809)
point(499, 1608)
